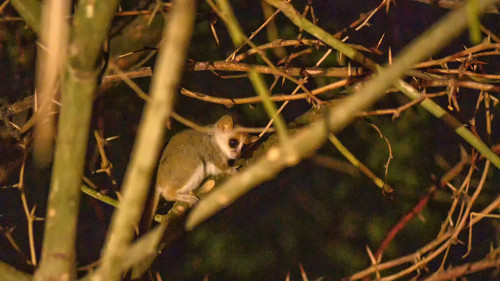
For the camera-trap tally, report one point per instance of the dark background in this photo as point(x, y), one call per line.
point(310, 214)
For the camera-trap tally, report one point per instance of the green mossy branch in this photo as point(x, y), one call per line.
point(260, 87)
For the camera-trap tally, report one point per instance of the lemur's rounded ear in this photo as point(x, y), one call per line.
point(225, 123)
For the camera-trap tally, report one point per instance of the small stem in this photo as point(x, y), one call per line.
point(356, 163)
point(261, 89)
point(29, 215)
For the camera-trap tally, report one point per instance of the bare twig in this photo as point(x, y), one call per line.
point(106, 165)
point(396, 112)
point(366, 22)
point(342, 72)
point(268, 20)
point(422, 251)
point(465, 84)
point(30, 215)
point(457, 271)
point(460, 56)
point(239, 37)
point(452, 239)
point(358, 164)
point(279, 43)
point(390, 157)
point(451, 174)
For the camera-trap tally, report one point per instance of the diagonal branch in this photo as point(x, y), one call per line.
point(307, 140)
point(469, 268)
point(421, 48)
point(30, 11)
point(176, 37)
point(9, 273)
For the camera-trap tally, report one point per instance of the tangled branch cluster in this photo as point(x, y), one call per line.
point(365, 81)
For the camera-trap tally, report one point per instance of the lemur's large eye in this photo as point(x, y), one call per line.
point(233, 143)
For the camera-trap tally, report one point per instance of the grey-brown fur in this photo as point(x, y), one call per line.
point(183, 154)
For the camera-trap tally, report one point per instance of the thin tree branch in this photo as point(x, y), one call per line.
point(236, 34)
point(422, 251)
point(457, 271)
point(257, 80)
point(451, 174)
point(342, 72)
point(358, 164)
point(452, 239)
point(257, 99)
point(176, 38)
point(279, 43)
point(30, 215)
point(474, 52)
